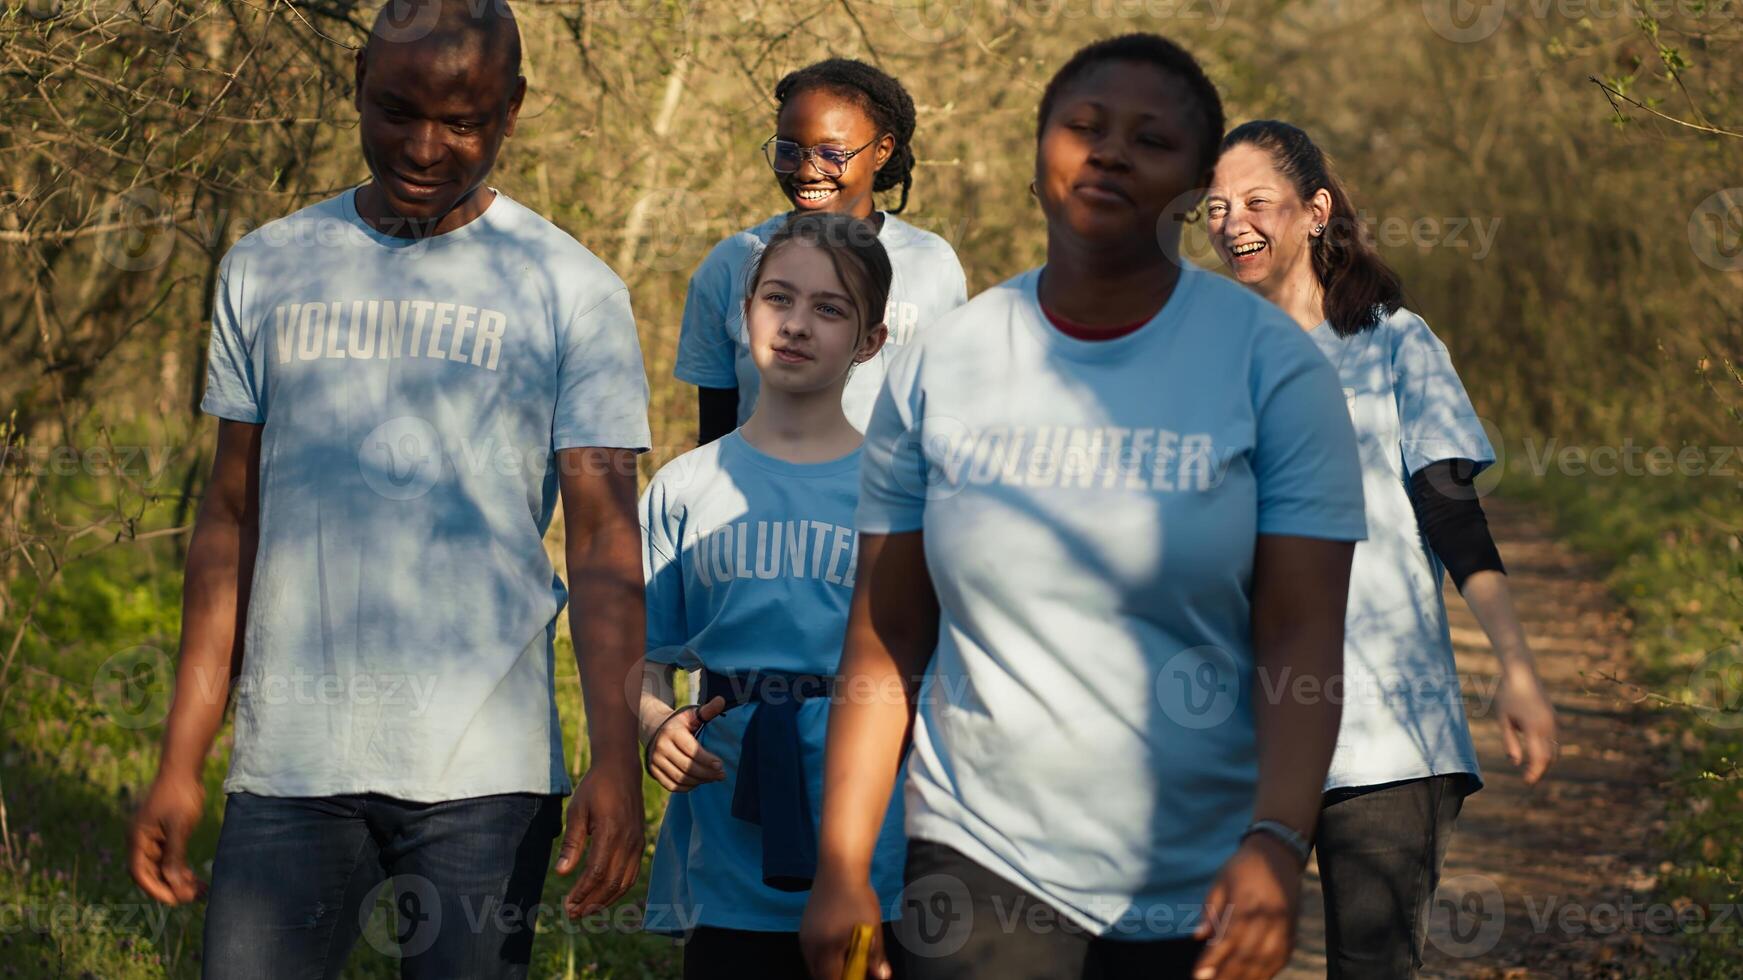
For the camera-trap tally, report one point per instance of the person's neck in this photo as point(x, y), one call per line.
point(800, 427)
point(1110, 287)
point(1297, 293)
point(373, 208)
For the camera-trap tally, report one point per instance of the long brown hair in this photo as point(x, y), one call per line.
point(1360, 288)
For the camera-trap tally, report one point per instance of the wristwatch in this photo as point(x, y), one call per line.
point(1276, 829)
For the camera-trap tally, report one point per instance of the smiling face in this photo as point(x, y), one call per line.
point(1258, 223)
point(432, 116)
point(817, 116)
point(804, 324)
point(1118, 149)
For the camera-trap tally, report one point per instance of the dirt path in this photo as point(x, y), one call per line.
point(1568, 859)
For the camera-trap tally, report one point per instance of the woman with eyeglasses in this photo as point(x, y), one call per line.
point(843, 133)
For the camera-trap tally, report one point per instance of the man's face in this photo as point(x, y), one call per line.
point(432, 118)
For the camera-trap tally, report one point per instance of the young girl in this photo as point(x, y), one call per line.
point(751, 558)
point(1281, 219)
point(1097, 501)
point(844, 131)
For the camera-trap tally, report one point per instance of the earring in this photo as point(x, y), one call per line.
point(1318, 230)
point(1033, 191)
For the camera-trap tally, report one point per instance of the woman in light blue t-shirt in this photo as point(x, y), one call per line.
point(843, 134)
point(1100, 503)
point(750, 558)
point(1404, 763)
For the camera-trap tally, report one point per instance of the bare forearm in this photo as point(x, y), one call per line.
point(869, 724)
point(1491, 600)
point(1300, 590)
point(1297, 724)
point(607, 620)
point(657, 699)
point(214, 607)
point(892, 630)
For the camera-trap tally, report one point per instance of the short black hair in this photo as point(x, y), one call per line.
point(1146, 49)
point(883, 98)
point(489, 24)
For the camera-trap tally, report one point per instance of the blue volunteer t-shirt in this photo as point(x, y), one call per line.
point(1404, 716)
point(714, 349)
point(1090, 510)
point(412, 394)
point(750, 564)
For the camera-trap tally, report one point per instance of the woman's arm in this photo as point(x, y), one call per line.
point(1449, 511)
point(1300, 587)
point(892, 629)
point(1527, 718)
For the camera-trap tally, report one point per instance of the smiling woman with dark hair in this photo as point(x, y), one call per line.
point(1097, 501)
point(844, 133)
point(1282, 220)
point(356, 346)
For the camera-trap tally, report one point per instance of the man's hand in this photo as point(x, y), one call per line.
point(605, 819)
point(157, 840)
point(1249, 915)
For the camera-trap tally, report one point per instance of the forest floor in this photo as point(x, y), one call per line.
point(1554, 880)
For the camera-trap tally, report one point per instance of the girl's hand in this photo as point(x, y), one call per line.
point(1249, 915)
point(833, 911)
point(1527, 721)
point(676, 759)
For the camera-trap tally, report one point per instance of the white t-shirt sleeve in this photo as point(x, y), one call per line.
point(663, 573)
point(706, 351)
point(893, 470)
point(959, 282)
point(231, 390)
point(1305, 462)
point(602, 388)
point(1436, 420)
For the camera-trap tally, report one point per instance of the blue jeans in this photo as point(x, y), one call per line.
point(297, 880)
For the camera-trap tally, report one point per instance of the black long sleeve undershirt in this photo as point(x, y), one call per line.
point(1450, 513)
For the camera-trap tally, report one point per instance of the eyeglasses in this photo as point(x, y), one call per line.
point(787, 156)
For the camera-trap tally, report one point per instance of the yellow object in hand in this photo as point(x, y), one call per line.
point(858, 953)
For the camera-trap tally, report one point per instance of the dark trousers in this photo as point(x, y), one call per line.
point(732, 954)
point(1380, 850)
point(961, 921)
point(297, 879)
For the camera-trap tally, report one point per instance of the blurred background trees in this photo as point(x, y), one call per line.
point(1558, 182)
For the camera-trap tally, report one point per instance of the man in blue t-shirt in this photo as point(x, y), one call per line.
point(408, 376)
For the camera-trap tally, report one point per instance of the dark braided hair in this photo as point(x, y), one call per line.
point(1147, 49)
point(881, 96)
point(1360, 288)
